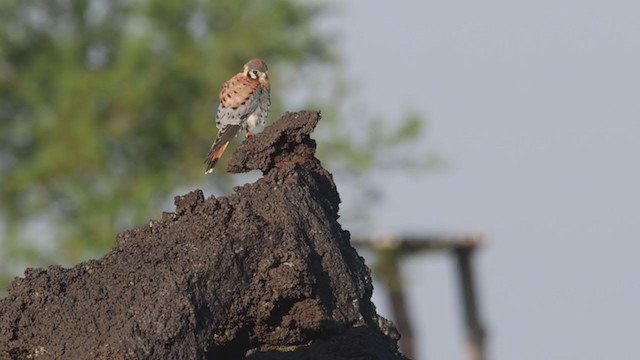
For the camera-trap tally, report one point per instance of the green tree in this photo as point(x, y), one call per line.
point(106, 108)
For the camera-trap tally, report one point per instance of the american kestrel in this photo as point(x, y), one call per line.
point(244, 104)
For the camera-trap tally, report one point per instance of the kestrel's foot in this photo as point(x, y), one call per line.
point(249, 134)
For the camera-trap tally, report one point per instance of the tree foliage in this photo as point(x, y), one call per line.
point(106, 106)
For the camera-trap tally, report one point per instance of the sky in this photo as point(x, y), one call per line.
point(536, 108)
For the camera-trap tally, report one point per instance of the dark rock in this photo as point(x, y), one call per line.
point(265, 273)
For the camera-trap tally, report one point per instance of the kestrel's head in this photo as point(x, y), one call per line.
point(256, 69)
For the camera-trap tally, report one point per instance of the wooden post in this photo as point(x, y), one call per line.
point(474, 329)
point(395, 286)
point(391, 250)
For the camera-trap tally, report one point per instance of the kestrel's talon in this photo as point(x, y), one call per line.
point(244, 103)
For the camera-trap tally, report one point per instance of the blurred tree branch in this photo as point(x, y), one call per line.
point(106, 107)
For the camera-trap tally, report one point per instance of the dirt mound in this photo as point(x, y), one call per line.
point(265, 273)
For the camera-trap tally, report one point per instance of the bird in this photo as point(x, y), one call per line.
point(245, 101)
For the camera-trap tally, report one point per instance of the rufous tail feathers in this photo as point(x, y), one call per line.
point(213, 157)
point(225, 134)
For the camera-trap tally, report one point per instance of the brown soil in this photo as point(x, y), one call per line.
point(264, 273)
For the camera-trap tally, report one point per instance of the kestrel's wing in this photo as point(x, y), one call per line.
point(225, 134)
point(237, 100)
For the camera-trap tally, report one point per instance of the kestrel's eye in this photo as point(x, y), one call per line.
point(254, 74)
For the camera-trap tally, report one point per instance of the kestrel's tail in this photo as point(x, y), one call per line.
point(213, 156)
point(217, 149)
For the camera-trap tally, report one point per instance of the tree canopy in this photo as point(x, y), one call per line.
point(106, 106)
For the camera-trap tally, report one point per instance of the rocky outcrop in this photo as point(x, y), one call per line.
point(264, 273)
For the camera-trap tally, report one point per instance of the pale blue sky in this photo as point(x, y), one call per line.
point(536, 105)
